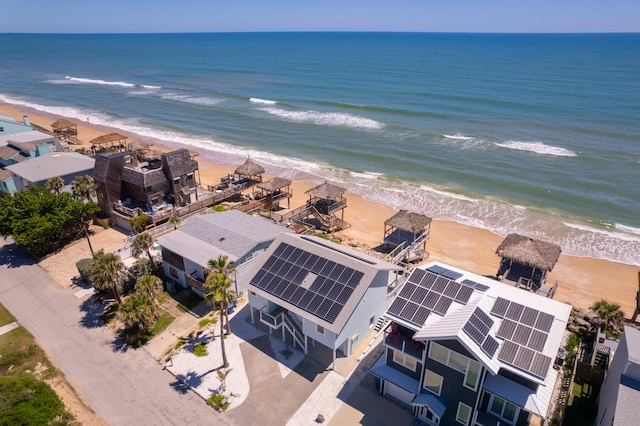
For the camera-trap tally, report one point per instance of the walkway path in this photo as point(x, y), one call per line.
point(8, 327)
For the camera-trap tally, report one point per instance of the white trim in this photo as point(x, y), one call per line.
point(448, 363)
point(458, 419)
point(428, 373)
point(402, 359)
point(500, 415)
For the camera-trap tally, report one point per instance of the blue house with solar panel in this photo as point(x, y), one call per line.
point(461, 348)
point(315, 292)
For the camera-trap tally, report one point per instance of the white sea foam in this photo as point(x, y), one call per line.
point(366, 175)
point(626, 228)
point(262, 101)
point(326, 118)
point(192, 99)
point(538, 148)
point(82, 80)
point(458, 136)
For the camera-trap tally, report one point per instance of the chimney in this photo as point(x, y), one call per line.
point(26, 121)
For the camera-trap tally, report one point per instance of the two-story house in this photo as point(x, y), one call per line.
point(466, 349)
point(315, 291)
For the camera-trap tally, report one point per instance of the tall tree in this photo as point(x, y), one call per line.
point(609, 314)
point(54, 184)
point(106, 272)
point(83, 188)
point(215, 282)
point(142, 243)
point(222, 266)
point(138, 311)
point(148, 285)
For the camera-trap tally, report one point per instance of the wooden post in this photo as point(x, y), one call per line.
point(637, 311)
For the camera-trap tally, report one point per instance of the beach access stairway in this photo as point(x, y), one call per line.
point(327, 221)
point(543, 289)
point(280, 319)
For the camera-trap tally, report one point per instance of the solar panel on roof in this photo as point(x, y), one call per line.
point(344, 295)
point(317, 283)
point(333, 312)
point(297, 295)
point(293, 258)
point(522, 334)
point(452, 289)
point(409, 310)
point(416, 276)
point(287, 252)
point(420, 316)
point(475, 334)
point(355, 279)
point(430, 300)
point(544, 321)
point(311, 261)
point(443, 305)
point(337, 271)
point(305, 300)
point(481, 287)
point(318, 266)
point(407, 290)
point(335, 291)
point(280, 288)
point(292, 272)
point(507, 328)
point(508, 352)
point(500, 307)
point(303, 258)
point(315, 303)
point(514, 311)
point(464, 294)
point(280, 249)
point(490, 345)
point(453, 275)
point(436, 269)
point(397, 306)
point(537, 340)
point(529, 316)
point(300, 276)
point(524, 358)
point(428, 280)
point(419, 294)
point(324, 307)
point(326, 287)
point(328, 268)
point(482, 316)
point(440, 285)
point(540, 365)
point(288, 291)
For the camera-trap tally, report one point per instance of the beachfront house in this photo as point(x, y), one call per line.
point(317, 293)
point(525, 263)
point(38, 170)
point(462, 348)
point(239, 236)
point(9, 126)
point(620, 393)
point(128, 185)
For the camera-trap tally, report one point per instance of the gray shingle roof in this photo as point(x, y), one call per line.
point(178, 163)
point(52, 165)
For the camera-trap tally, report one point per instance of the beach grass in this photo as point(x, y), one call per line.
point(5, 316)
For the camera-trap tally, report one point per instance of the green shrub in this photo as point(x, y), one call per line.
point(84, 269)
point(218, 401)
point(218, 208)
point(205, 322)
point(200, 349)
point(140, 222)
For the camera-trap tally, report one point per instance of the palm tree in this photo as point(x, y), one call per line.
point(106, 270)
point(222, 266)
point(215, 283)
point(610, 315)
point(142, 243)
point(147, 285)
point(83, 188)
point(54, 184)
point(174, 220)
point(138, 311)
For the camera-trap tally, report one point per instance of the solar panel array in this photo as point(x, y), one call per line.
point(525, 331)
point(308, 281)
point(477, 328)
point(426, 292)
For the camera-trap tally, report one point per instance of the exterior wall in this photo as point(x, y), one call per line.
point(417, 374)
point(609, 390)
point(8, 186)
point(453, 389)
point(372, 305)
point(328, 338)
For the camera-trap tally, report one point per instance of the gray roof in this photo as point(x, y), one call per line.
point(231, 232)
point(32, 136)
point(53, 164)
point(178, 163)
point(369, 266)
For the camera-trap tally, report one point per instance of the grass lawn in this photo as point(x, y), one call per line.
point(581, 406)
point(163, 322)
point(26, 399)
point(189, 302)
point(5, 316)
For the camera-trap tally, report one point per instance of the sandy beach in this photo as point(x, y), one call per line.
point(581, 280)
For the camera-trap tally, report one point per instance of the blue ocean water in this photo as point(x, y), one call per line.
point(537, 134)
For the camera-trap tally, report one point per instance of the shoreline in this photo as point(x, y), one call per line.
point(582, 280)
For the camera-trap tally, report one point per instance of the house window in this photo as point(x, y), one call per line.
point(400, 358)
point(320, 329)
point(173, 272)
point(433, 382)
point(469, 367)
point(463, 415)
point(503, 409)
point(427, 415)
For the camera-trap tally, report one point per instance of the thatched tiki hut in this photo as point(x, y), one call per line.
point(272, 191)
point(65, 130)
point(409, 230)
point(112, 142)
point(249, 172)
point(525, 260)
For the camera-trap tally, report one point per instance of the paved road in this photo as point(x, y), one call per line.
point(124, 387)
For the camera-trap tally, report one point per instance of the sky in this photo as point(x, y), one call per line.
point(168, 16)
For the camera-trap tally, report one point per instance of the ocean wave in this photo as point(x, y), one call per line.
point(335, 119)
point(367, 175)
point(626, 228)
point(192, 99)
point(458, 136)
point(82, 80)
point(262, 101)
point(538, 148)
